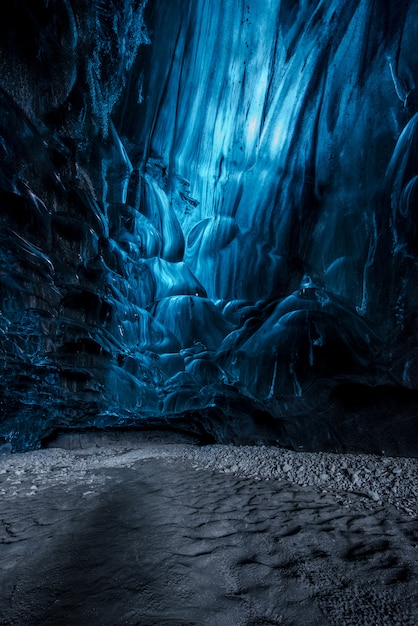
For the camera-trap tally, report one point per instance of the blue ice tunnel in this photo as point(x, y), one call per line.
point(209, 221)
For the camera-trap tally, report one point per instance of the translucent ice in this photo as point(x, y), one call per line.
point(208, 218)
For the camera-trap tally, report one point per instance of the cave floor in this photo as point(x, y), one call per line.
point(159, 540)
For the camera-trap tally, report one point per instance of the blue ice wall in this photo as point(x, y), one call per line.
point(208, 220)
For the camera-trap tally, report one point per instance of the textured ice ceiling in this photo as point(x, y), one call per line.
point(209, 218)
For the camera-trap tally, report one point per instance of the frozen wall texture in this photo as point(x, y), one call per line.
point(209, 217)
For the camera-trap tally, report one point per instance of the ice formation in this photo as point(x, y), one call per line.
point(208, 220)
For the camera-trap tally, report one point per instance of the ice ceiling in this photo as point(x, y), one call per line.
point(209, 217)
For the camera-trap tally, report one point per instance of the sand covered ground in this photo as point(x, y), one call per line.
point(152, 529)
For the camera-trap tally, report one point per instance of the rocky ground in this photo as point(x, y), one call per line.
point(150, 528)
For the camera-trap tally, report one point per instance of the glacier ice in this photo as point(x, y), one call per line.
point(208, 220)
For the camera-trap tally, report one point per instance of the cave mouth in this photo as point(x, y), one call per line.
point(206, 229)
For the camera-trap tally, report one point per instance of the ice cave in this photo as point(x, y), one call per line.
point(209, 313)
point(209, 217)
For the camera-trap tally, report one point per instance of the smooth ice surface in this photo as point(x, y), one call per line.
point(208, 219)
